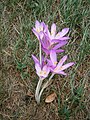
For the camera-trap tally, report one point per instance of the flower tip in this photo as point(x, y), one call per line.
point(72, 63)
point(67, 29)
point(66, 74)
point(32, 55)
point(36, 21)
point(52, 52)
point(54, 24)
point(33, 29)
point(66, 56)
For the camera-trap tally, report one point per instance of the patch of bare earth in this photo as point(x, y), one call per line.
point(18, 102)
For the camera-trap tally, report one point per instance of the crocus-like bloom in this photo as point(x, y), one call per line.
point(59, 36)
point(51, 40)
point(41, 70)
point(48, 45)
point(39, 27)
point(58, 68)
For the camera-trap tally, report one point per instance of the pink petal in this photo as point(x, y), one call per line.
point(53, 57)
point(53, 29)
point(35, 59)
point(46, 51)
point(59, 51)
point(67, 65)
point(43, 25)
point(37, 24)
point(64, 38)
point(45, 28)
point(62, 61)
point(41, 35)
point(49, 62)
point(47, 33)
point(36, 33)
point(60, 44)
point(62, 33)
point(62, 72)
point(37, 67)
point(46, 69)
point(59, 39)
point(53, 41)
point(44, 41)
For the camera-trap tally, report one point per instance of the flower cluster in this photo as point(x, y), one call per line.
point(50, 43)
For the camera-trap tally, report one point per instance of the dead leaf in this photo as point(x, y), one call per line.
point(29, 93)
point(51, 97)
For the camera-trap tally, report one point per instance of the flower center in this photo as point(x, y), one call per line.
point(39, 29)
point(55, 63)
point(42, 73)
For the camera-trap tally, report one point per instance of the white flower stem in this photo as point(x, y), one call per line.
point(46, 85)
point(40, 80)
point(37, 90)
point(40, 53)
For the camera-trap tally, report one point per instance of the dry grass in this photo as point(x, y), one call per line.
point(17, 76)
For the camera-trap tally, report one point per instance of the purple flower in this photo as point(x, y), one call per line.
point(41, 70)
point(38, 28)
point(50, 41)
point(57, 36)
point(47, 45)
point(42, 73)
point(58, 68)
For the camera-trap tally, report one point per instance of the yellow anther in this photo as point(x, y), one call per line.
point(39, 29)
point(55, 63)
point(44, 72)
point(40, 72)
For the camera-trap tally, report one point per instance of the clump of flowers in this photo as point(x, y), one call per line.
point(50, 42)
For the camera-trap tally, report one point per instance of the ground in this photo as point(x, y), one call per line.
point(18, 79)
